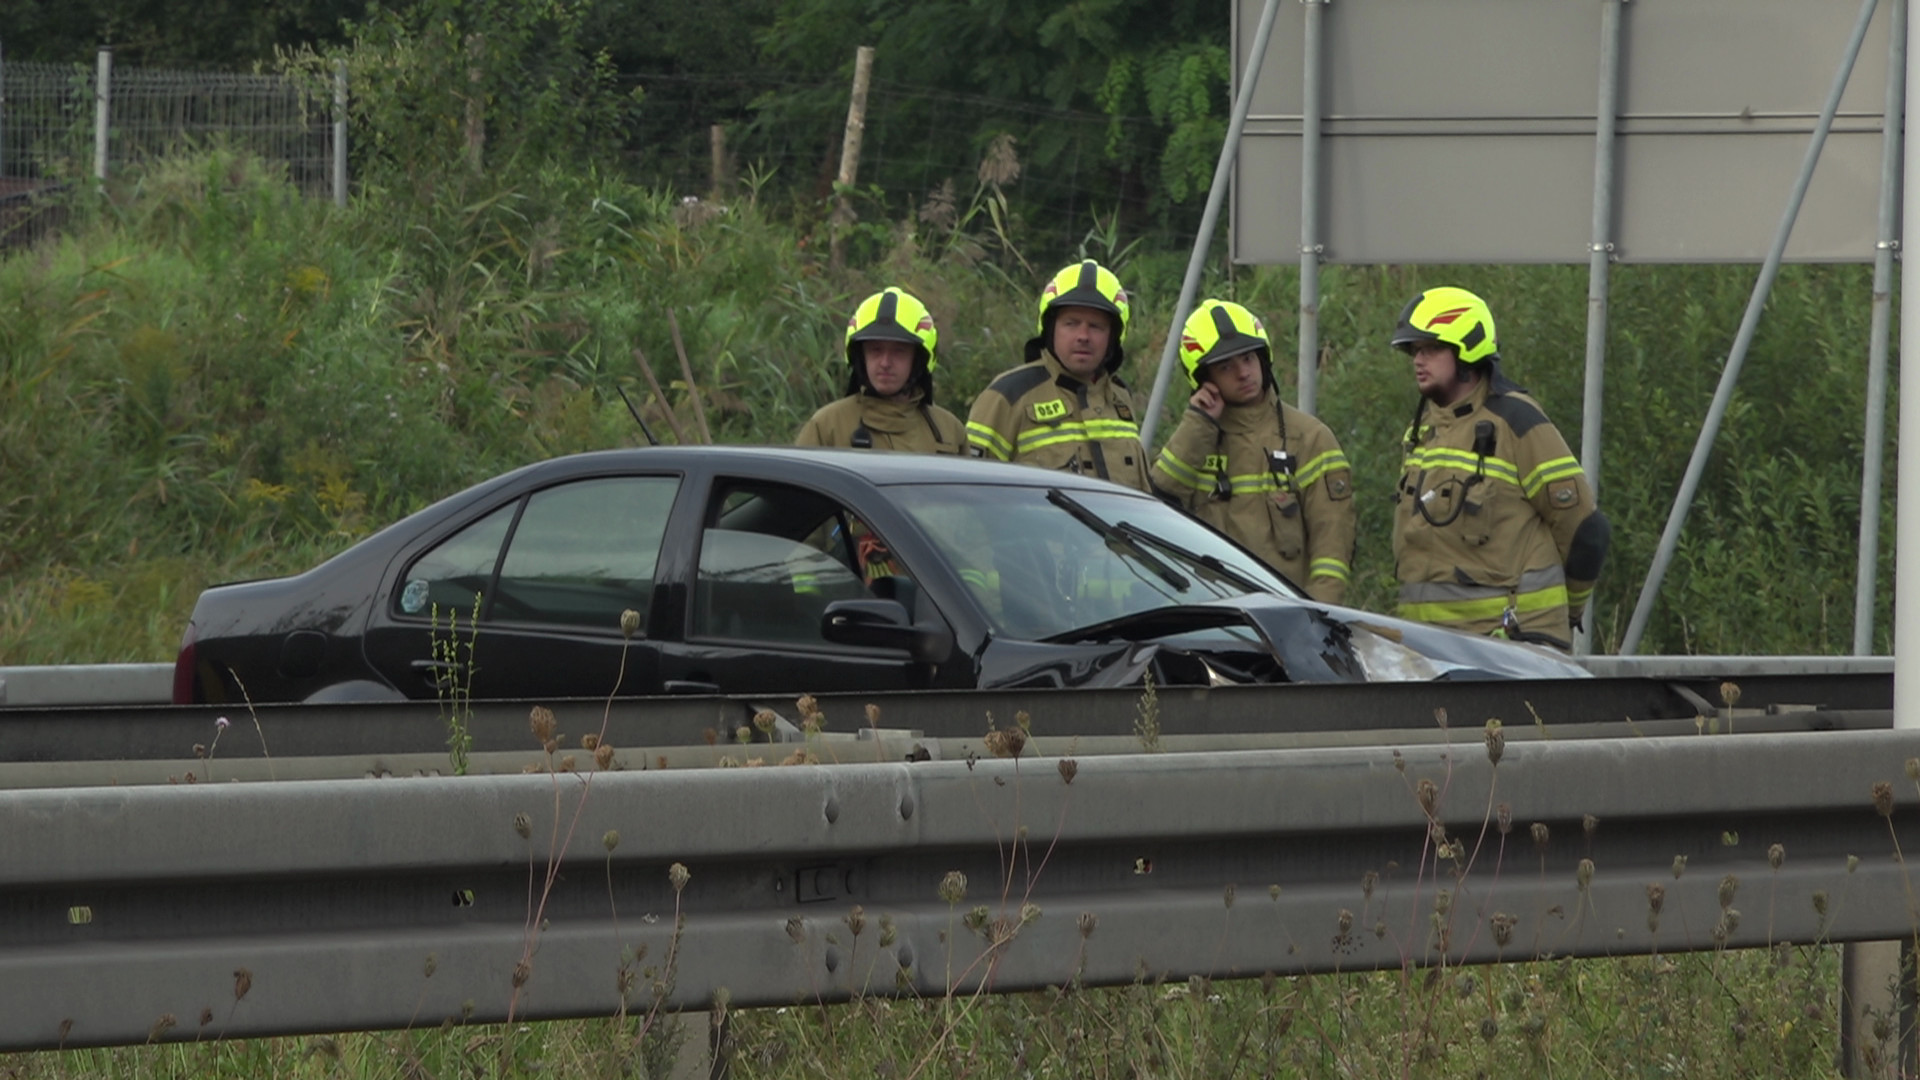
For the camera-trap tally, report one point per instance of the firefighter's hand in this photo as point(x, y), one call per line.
point(1208, 400)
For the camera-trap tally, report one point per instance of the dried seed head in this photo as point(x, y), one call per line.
point(1503, 818)
point(1776, 856)
point(889, 933)
point(1015, 740)
point(873, 715)
point(678, 874)
point(1679, 866)
point(603, 756)
point(1503, 925)
point(1589, 825)
point(1399, 763)
point(1440, 717)
point(1820, 902)
point(522, 971)
point(1344, 921)
point(243, 982)
point(610, 839)
point(1723, 929)
point(1029, 912)
point(540, 721)
point(1273, 893)
point(589, 741)
point(1539, 830)
point(796, 930)
point(1913, 768)
point(953, 887)
point(200, 750)
point(1496, 741)
point(566, 763)
point(1428, 794)
point(551, 746)
point(523, 824)
point(1443, 902)
point(1883, 798)
point(809, 708)
point(1367, 881)
point(1656, 897)
point(763, 719)
point(1087, 922)
point(629, 623)
point(857, 920)
point(1584, 874)
point(1069, 768)
point(976, 918)
point(1728, 886)
point(161, 1026)
point(1853, 863)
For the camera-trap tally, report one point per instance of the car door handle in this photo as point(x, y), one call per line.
point(691, 686)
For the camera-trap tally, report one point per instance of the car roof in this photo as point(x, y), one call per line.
point(879, 467)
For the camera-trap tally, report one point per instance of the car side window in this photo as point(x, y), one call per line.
point(771, 561)
point(581, 555)
point(454, 578)
point(585, 552)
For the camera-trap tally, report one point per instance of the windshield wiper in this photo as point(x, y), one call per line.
point(1123, 537)
point(1211, 562)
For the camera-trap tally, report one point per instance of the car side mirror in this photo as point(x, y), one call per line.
point(885, 624)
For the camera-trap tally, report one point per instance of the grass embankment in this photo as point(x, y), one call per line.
point(214, 378)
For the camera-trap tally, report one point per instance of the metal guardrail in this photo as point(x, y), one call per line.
point(255, 909)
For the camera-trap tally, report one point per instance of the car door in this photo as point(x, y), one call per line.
point(770, 558)
point(526, 598)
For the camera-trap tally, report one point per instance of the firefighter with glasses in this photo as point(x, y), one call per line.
point(1268, 475)
point(1065, 407)
point(890, 365)
point(1495, 528)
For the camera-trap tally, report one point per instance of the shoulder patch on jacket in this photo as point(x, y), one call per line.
point(1521, 416)
point(1017, 383)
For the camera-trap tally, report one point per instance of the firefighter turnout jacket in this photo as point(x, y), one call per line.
point(1493, 515)
point(1272, 478)
point(1040, 414)
point(871, 423)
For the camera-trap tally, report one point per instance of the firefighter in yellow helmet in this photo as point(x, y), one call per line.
point(1495, 529)
point(889, 403)
point(1065, 407)
point(1253, 466)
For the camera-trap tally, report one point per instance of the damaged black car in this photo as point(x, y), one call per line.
point(747, 570)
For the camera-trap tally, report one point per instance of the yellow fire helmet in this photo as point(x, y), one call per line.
point(1219, 330)
point(1451, 316)
point(1085, 284)
point(893, 314)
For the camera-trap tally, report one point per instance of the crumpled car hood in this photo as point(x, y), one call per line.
point(1311, 643)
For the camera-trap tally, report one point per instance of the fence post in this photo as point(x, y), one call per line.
point(339, 133)
point(102, 94)
point(717, 140)
point(850, 146)
point(3, 113)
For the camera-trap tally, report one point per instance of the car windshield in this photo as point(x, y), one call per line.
point(1044, 562)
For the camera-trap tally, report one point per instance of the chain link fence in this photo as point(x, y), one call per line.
point(58, 130)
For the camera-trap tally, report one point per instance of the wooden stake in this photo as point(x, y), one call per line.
point(686, 372)
point(722, 181)
point(673, 421)
point(850, 146)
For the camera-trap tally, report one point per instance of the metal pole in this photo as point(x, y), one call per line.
point(3, 113)
point(1730, 375)
point(1867, 571)
point(1215, 196)
point(1600, 259)
point(102, 93)
point(339, 133)
point(1906, 574)
point(1310, 246)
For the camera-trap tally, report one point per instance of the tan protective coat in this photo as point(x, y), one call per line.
point(893, 425)
point(1039, 414)
point(1301, 524)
